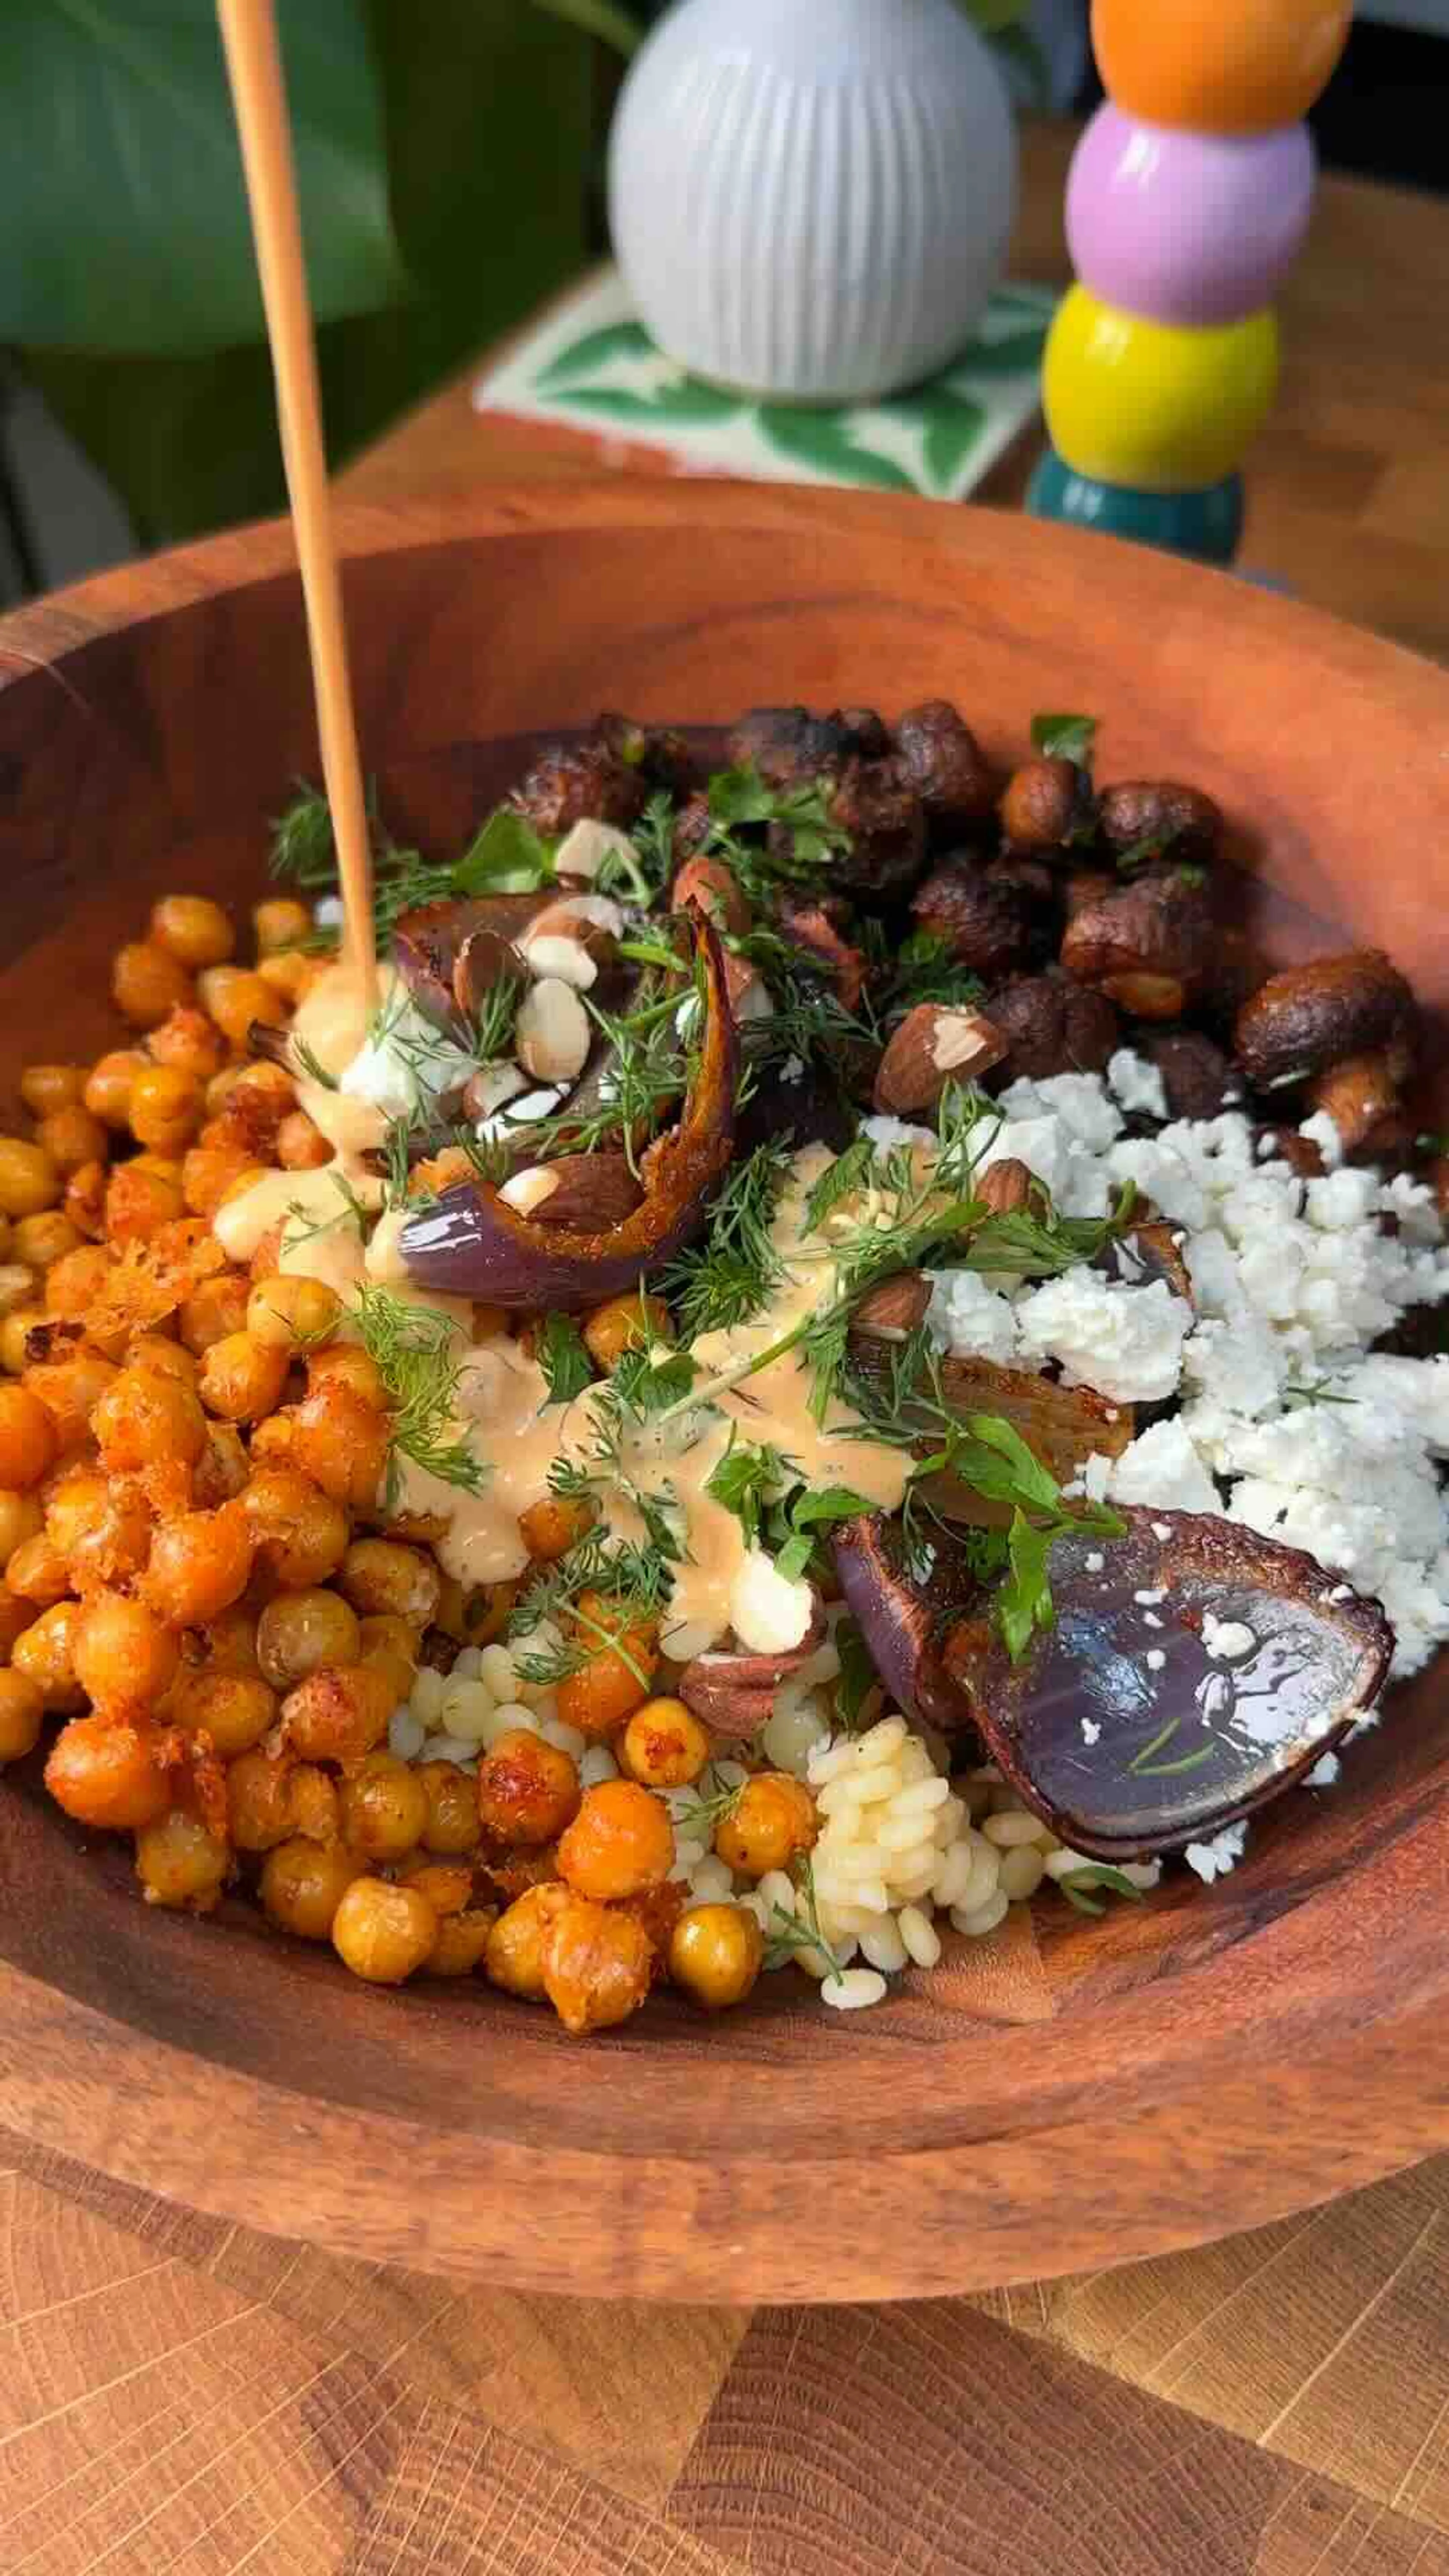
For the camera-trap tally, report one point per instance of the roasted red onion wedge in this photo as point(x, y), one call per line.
point(903, 1620)
point(1195, 1671)
point(470, 1244)
point(430, 942)
point(1061, 1425)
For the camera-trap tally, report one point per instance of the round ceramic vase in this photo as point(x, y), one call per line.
point(811, 199)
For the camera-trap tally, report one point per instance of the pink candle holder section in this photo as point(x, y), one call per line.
point(1190, 229)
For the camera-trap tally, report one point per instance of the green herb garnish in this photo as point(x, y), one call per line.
point(1057, 737)
point(565, 1363)
point(736, 1270)
point(1078, 1884)
point(415, 1354)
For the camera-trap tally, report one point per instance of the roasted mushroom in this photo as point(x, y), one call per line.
point(582, 782)
point(1047, 805)
point(1308, 1017)
point(1051, 1026)
point(875, 804)
point(1198, 1080)
point(942, 762)
point(992, 919)
point(790, 747)
point(1149, 946)
point(1159, 814)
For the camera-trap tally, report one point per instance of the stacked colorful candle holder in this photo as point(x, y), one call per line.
point(1187, 204)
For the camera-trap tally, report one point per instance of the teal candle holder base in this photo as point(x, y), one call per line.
point(1205, 525)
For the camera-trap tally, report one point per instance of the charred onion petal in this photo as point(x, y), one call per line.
point(734, 1692)
point(472, 1245)
point(1266, 1662)
point(1061, 1425)
point(904, 1621)
point(428, 944)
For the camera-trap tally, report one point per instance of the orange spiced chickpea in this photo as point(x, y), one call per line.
point(620, 1842)
point(108, 1774)
point(528, 1791)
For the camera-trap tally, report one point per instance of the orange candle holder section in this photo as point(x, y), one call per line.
point(1218, 66)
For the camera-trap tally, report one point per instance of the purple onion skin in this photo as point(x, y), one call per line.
point(470, 1244)
point(900, 1622)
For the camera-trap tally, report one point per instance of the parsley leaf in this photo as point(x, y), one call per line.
point(563, 1359)
point(506, 857)
point(748, 1479)
point(793, 1529)
point(1058, 737)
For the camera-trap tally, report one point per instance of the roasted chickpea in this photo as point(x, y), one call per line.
point(72, 1137)
point(220, 1473)
point(147, 983)
point(447, 1884)
point(461, 1943)
point(192, 928)
point(259, 1801)
point(300, 1631)
point(45, 1088)
point(392, 1646)
point(513, 1952)
point(85, 1200)
point(229, 1644)
point(17, 1618)
point(122, 1652)
point(620, 1842)
point(291, 972)
point(242, 1378)
point(527, 1790)
point(21, 1518)
point(75, 1282)
point(289, 1309)
point(209, 1173)
point(189, 1043)
point(163, 1358)
point(394, 1582)
point(626, 1324)
point(303, 1883)
point(316, 1807)
point(664, 1746)
point(236, 997)
point(108, 1775)
point(100, 1525)
point(452, 1824)
point(166, 1108)
point(29, 1180)
point(716, 1953)
point(19, 1323)
point(615, 1681)
point(37, 1574)
point(348, 1364)
point(340, 1442)
point(40, 1240)
point(141, 1197)
point(141, 1420)
point(28, 1442)
point(384, 1807)
point(213, 1310)
point(338, 1713)
point(235, 1709)
point(300, 1533)
point(550, 1527)
point(773, 1820)
point(598, 1967)
point(200, 1564)
point(280, 922)
point(70, 1389)
point(179, 1863)
point(107, 1092)
point(382, 1932)
point(22, 1708)
point(301, 1146)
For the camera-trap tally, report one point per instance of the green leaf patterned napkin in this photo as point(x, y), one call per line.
point(589, 373)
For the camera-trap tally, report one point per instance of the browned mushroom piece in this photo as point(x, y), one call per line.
point(693, 825)
point(941, 759)
point(790, 747)
point(1308, 1017)
point(1198, 1079)
point(1149, 946)
point(1162, 814)
point(708, 885)
point(870, 737)
point(1285, 1145)
point(582, 782)
point(662, 757)
point(1051, 1026)
point(881, 812)
point(1083, 886)
point(1195, 1671)
point(734, 1691)
point(936, 1045)
point(1361, 1095)
point(819, 926)
point(1047, 804)
point(992, 919)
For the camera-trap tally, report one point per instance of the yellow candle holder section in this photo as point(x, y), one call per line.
point(1218, 66)
point(1147, 404)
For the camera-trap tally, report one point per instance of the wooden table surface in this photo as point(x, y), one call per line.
point(180, 2399)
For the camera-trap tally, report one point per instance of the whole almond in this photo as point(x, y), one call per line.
point(895, 1308)
point(1007, 1186)
point(551, 1038)
point(934, 1046)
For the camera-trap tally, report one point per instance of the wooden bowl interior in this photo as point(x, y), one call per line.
point(1018, 2111)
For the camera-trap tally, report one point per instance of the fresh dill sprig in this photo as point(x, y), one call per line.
point(641, 874)
point(310, 1063)
point(566, 1365)
point(713, 1806)
point(791, 1932)
point(299, 1228)
point(736, 1269)
point(634, 1584)
point(303, 848)
point(415, 1353)
point(649, 1069)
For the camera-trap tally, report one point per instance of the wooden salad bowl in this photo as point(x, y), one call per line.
point(1065, 2094)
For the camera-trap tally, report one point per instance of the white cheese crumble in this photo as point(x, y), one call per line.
point(1137, 1085)
point(1227, 1640)
point(404, 1063)
point(1214, 1859)
point(1124, 1342)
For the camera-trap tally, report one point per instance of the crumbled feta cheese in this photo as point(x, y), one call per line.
point(1095, 1561)
point(1090, 1730)
point(1214, 1859)
point(1324, 1772)
point(1137, 1084)
point(1227, 1640)
point(1321, 1131)
point(1148, 1600)
point(896, 1131)
point(1162, 1467)
point(1124, 1342)
point(329, 912)
point(770, 1612)
point(1154, 1659)
point(793, 1069)
point(969, 1319)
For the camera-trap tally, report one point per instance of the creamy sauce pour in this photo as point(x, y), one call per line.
point(503, 1396)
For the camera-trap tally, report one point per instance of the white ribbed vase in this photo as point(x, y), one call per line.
point(812, 198)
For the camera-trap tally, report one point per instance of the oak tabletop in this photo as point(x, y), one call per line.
point(180, 2398)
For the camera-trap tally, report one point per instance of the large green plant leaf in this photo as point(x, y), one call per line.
point(126, 224)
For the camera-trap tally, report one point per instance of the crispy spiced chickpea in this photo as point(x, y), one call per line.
point(201, 1563)
point(17, 1618)
point(620, 1842)
point(280, 922)
point(338, 1713)
point(715, 1954)
point(260, 1810)
point(384, 1807)
point(229, 1644)
point(209, 1173)
point(300, 1532)
point(71, 1137)
point(164, 1358)
point(85, 1200)
point(513, 1952)
point(773, 1819)
point(628, 1323)
point(40, 1240)
point(192, 928)
point(392, 1646)
point(188, 1042)
point(461, 1943)
point(300, 1631)
point(29, 1179)
point(221, 1472)
point(107, 1093)
point(141, 1197)
point(166, 1108)
point(348, 1364)
point(99, 1525)
point(598, 1967)
point(341, 1442)
point(142, 1420)
point(527, 1790)
point(22, 1709)
point(303, 1883)
point(452, 1825)
point(235, 1709)
point(235, 997)
point(381, 1932)
point(447, 1884)
point(551, 1526)
point(615, 1681)
point(664, 1746)
point(180, 1864)
point(75, 1282)
point(242, 1378)
point(380, 1578)
point(19, 1322)
point(148, 983)
point(37, 1573)
point(123, 1653)
point(215, 1308)
point(44, 1088)
point(21, 1518)
point(70, 1389)
point(301, 1145)
point(108, 1774)
point(28, 1441)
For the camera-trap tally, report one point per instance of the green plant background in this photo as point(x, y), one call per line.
point(447, 162)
